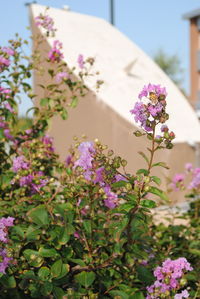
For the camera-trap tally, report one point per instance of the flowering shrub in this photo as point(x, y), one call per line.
point(80, 228)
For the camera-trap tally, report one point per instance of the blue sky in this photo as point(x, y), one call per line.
point(151, 24)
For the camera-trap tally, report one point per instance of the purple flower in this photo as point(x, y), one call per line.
point(8, 51)
point(155, 109)
point(119, 177)
point(4, 63)
point(152, 88)
point(195, 183)
point(168, 277)
point(183, 294)
point(8, 107)
point(26, 180)
point(5, 262)
point(86, 157)
point(48, 141)
point(99, 176)
point(4, 223)
point(61, 75)
point(55, 55)
point(111, 200)
point(80, 61)
point(164, 128)
point(188, 167)
point(177, 181)
point(19, 163)
point(45, 22)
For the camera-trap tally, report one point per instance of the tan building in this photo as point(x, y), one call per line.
point(194, 18)
point(125, 69)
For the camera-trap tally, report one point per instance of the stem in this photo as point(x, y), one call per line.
point(152, 150)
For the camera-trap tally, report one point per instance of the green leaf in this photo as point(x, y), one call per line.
point(33, 234)
point(56, 268)
point(48, 252)
point(144, 156)
point(159, 193)
point(144, 171)
point(65, 269)
point(8, 281)
point(18, 231)
point(44, 273)
point(33, 257)
point(64, 236)
point(145, 275)
point(119, 294)
point(162, 164)
point(147, 203)
point(74, 102)
point(58, 293)
point(119, 184)
point(46, 288)
point(194, 251)
point(87, 226)
point(39, 215)
point(156, 180)
point(78, 262)
point(64, 114)
point(85, 278)
point(138, 295)
point(44, 102)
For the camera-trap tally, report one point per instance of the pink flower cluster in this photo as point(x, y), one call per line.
point(34, 180)
point(5, 54)
point(45, 22)
point(168, 279)
point(4, 223)
point(178, 179)
point(6, 130)
point(5, 261)
point(151, 111)
point(93, 173)
point(55, 55)
point(61, 76)
point(19, 163)
point(80, 61)
point(154, 89)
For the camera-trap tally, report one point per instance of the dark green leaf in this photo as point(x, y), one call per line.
point(147, 203)
point(56, 268)
point(156, 180)
point(85, 278)
point(159, 193)
point(39, 215)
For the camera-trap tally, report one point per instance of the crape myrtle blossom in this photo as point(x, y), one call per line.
point(33, 181)
point(151, 110)
point(183, 294)
point(177, 181)
point(55, 55)
point(5, 92)
point(85, 161)
point(61, 76)
point(151, 88)
point(7, 50)
point(45, 22)
point(20, 163)
point(5, 260)
point(4, 224)
point(168, 279)
point(4, 63)
point(80, 61)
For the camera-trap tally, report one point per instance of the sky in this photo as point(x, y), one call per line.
point(151, 24)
